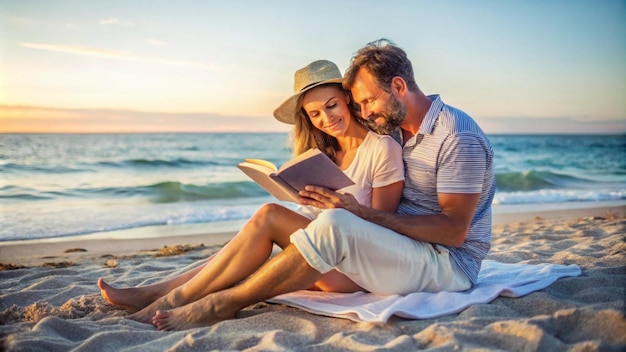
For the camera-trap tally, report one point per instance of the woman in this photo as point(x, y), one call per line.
point(326, 118)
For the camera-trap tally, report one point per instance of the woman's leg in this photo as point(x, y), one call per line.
point(135, 298)
point(335, 281)
point(288, 271)
point(269, 217)
point(241, 257)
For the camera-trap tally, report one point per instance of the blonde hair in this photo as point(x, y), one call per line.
point(306, 136)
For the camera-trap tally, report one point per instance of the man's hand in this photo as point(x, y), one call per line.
point(324, 198)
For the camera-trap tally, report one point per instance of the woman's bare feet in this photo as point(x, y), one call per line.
point(131, 299)
point(197, 314)
point(146, 314)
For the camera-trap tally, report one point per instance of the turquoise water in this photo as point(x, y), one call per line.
point(68, 184)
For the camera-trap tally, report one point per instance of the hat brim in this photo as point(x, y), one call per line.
point(286, 112)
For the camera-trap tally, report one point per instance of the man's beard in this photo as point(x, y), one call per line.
point(392, 116)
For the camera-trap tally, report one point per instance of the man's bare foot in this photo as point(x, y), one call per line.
point(197, 314)
point(132, 299)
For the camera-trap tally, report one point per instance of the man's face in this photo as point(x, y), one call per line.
point(383, 110)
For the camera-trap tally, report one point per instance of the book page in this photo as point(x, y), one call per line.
point(267, 179)
point(262, 162)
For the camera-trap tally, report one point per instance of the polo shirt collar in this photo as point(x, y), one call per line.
point(428, 124)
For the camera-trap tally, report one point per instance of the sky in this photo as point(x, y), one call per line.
point(548, 66)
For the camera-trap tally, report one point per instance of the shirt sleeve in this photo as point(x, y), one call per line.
point(461, 164)
point(389, 167)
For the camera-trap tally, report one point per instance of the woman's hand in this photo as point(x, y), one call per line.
point(324, 198)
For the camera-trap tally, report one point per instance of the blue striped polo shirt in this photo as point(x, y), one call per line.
point(451, 154)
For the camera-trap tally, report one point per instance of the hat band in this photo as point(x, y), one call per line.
point(308, 85)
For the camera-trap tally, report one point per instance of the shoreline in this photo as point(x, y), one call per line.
point(128, 242)
point(501, 214)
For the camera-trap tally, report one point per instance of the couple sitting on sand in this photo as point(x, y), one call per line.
point(417, 219)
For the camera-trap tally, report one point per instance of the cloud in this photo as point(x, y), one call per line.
point(22, 20)
point(155, 42)
point(115, 21)
point(117, 55)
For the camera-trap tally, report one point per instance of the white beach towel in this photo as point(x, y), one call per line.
point(495, 279)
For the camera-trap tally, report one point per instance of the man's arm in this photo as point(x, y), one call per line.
point(448, 227)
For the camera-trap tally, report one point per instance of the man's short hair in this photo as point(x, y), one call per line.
point(383, 59)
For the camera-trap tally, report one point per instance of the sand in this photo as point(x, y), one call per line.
point(49, 300)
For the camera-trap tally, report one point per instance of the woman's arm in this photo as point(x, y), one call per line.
point(388, 167)
point(387, 198)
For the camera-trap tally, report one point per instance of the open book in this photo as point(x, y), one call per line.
point(309, 168)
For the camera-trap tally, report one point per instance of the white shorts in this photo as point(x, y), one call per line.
point(376, 258)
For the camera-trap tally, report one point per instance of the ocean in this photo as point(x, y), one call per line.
point(57, 185)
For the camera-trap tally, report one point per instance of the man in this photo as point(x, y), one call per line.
point(438, 237)
point(445, 210)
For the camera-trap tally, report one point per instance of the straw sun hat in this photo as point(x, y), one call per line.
point(314, 74)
